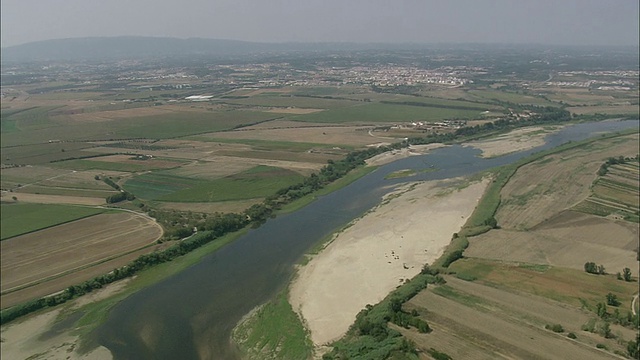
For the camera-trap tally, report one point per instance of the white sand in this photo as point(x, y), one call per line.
point(377, 253)
point(516, 140)
point(394, 155)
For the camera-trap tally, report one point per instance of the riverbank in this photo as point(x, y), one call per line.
point(379, 251)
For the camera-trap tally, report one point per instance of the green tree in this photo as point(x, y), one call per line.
point(626, 274)
point(612, 300)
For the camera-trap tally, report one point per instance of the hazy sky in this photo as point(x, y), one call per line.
point(580, 22)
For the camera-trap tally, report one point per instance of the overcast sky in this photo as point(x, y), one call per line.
point(579, 22)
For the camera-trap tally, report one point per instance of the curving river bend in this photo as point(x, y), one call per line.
point(191, 314)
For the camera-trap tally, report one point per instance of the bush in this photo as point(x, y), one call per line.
point(555, 328)
point(572, 335)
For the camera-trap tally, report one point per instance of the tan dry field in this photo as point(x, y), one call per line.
point(38, 259)
point(544, 188)
point(128, 159)
point(111, 115)
point(52, 199)
point(513, 141)
point(605, 109)
point(329, 135)
point(569, 240)
point(480, 322)
point(294, 110)
point(210, 207)
point(378, 252)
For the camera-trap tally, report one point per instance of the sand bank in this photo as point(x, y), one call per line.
point(516, 140)
point(378, 252)
point(394, 155)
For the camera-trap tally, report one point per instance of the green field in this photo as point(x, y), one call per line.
point(156, 185)
point(260, 181)
point(85, 164)
point(274, 331)
point(18, 219)
point(292, 101)
point(386, 113)
point(269, 145)
point(257, 182)
point(36, 126)
point(484, 95)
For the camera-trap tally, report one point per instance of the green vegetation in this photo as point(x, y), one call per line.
point(155, 185)
point(557, 328)
point(274, 331)
point(377, 112)
point(18, 219)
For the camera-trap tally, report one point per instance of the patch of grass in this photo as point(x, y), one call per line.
point(269, 145)
point(465, 299)
point(274, 331)
point(535, 267)
point(400, 174)
point(261, 181)
point(83, 164)
point(158, 184)
point(386, 113)
point(18, 219)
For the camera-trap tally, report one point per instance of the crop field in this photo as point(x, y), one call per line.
point(569, 239)
point(21, 218)
point(484, 95)
point(298, 138)
point(574, 288)
point(474, 321)
point(627, 109)
point(37, 126)
point(279, 101)
point(386, 113)
point(543, 188)
point(39, 259)
point(156, 185)
point(124, 163)
point(42, 154)
point(258, 182)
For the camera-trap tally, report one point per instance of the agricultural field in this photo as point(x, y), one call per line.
point(49, 260)
point(481, 320)
point(20, 218)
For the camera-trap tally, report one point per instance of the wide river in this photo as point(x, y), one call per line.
point(191, 314)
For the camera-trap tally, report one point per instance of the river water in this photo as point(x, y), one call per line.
point(191, 314)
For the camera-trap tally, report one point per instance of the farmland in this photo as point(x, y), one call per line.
point(18, 219)
point(49, 260)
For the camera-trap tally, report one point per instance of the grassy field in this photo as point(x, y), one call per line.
point(20, 219)
point(273, 331)
point(570, 286)
point(259, 181)
point(386, 113)
point(616, 193)
point(124, 164)
point(484, 95)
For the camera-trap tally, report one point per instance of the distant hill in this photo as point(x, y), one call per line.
point(104, 48)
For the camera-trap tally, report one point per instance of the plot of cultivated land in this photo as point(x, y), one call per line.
point(329, 135)
point(39, 258)
point(569, 239)
point(294, 111)
point(52, 199)
point(540, 190)
point(118, 163)
point(568, 286)
point(611, 109)
point(30, 174)
point(211, 207)
point(99, 116)
point(20, 218)
point(477, 322)
point(513, 141)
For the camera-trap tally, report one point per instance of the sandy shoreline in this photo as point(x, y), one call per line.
point(378, 252)
point(513, 141)
point(23, 338)
point(394, 155)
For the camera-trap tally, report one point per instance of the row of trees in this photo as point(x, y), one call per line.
point(604, 168)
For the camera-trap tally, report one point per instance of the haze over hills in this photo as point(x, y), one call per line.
point(93, 48)
point(122, 47)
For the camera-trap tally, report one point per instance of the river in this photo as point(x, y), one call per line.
point(191, 314)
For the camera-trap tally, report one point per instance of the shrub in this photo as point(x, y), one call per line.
point(555, 328)
point(572, 335)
